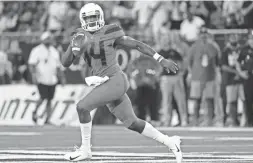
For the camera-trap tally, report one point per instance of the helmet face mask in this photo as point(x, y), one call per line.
point(91, 17)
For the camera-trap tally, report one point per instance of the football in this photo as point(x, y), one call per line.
point(78, 43)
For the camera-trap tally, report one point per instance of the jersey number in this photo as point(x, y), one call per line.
point(100, 55)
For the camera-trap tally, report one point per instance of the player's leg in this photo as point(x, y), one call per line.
point(122, 109)
point(114, 88)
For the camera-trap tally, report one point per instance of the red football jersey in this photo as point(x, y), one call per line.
point(100, 54)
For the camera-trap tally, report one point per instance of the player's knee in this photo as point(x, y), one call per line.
point(137, 125)
point(80, 107)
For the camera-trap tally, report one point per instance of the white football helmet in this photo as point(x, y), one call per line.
point(91, 17)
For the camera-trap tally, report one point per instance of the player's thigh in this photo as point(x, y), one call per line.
point(209, 90)
point(109, 91)
point(123, 110)
point(196, 90)
point(232, 93)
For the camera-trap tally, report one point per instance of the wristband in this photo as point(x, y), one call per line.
point(158, 57)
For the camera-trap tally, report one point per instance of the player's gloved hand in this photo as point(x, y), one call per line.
point(78, 43)
point(169, 65)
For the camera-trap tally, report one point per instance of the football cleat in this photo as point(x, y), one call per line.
point(82, 153)
point(173, 143)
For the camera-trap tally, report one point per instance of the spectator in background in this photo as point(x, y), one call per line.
point(247, 12)
point(177, 13)
point(5, 68)
point(45, 67)
point(232, 79)
point(172, 85)
point(8, 20)
point(159, 17)
point(233, 15)
point(144, 13)
point(189, 28)
point(57, 12)
point(216, 20)
point(199, 9)
point(144, 73)
point(203, 60)
point(122, 12)
point(1, 8)
point(19, 66)
point(246, 69)
point(71, 21)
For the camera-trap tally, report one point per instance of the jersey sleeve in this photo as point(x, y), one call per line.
point(112, 32)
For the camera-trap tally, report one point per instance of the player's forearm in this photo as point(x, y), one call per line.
point(67, 58)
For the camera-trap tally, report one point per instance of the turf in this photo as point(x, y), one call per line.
point(115, 144)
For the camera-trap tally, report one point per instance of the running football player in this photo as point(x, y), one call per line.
point(96, 43)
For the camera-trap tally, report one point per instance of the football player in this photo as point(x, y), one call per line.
point(96, 43)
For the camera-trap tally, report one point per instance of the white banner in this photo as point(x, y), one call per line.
point(17, 102)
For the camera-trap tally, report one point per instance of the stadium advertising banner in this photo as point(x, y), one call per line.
point(18, 102)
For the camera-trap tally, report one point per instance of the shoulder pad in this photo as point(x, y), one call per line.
point(112, 31)
point(111, 28)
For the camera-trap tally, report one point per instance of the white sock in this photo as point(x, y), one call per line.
point(86, 134)
point(151, 132)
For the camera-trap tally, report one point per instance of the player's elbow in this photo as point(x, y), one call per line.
point(65, 63)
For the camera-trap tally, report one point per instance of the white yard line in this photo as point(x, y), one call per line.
point(218, 129)
point(20, 133)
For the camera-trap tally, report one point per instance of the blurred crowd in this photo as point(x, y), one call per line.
point(213, 79)
point(31, 16)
